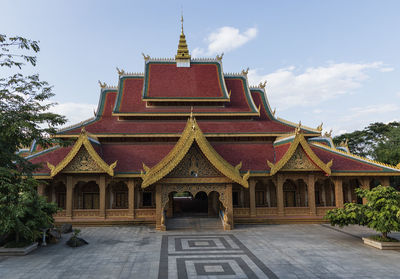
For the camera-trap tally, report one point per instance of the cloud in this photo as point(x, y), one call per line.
point(372, 111)
point(290, 87)
point(225, 39)
point(74, 112)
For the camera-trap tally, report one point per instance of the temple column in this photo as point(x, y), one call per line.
point(365, 185)
point(385, 180)
point(160, 221)
point(338, 192)
point(279, 194)
point(131, 198)
point(252, 188)
point(228, 214)
point(311, 194)
point(70, 191)
point(102, 188)
point(41, 189)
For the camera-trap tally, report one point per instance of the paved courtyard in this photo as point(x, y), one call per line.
point(259, 251)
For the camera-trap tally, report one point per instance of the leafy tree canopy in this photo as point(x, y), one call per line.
point(381, 212)
point(24, 117)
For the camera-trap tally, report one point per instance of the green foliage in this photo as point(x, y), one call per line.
point(364, 143)
point(381, 212)
point(24, 117)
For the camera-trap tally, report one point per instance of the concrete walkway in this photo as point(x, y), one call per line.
point(260, 251)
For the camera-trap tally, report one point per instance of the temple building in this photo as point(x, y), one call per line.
point(185, 130)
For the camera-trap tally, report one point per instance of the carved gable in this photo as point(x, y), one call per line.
point(82, 162)
point(299, 161)
point(194, 164)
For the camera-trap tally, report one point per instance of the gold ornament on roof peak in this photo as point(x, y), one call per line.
point(319, 128)
point(262, 84)
point(219, 57)
point(273, 113)
point(328, 135)
point(245, 72)
point(183, 51)
point(120, 71)
point(146, 57)
point(102, 84)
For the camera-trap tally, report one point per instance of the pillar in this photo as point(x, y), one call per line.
point(228, 225)
point(102, 187)
point(41, 189)
point(338, 192)
point(311, 194)
point(159, 210)
point(385, 180)
point(365, 185)
point(70, 192)
point(252, 186)
point(279, 195)
point(131, 198)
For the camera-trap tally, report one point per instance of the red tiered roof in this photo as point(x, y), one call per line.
point(201, 80)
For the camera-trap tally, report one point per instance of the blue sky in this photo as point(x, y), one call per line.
point(336, 62)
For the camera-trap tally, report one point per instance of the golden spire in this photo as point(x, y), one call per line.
point(183, 52)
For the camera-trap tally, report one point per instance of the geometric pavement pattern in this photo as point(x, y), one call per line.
point(209, 256)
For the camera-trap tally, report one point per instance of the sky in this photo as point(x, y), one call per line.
point(336, 62)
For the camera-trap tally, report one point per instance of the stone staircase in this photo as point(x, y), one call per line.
point(194, 223)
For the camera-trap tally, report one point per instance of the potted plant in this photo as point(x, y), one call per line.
point(381, 213)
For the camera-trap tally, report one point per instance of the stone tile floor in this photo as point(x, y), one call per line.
point(257, 251)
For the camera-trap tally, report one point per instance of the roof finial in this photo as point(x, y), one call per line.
point(182, 21)
point(183, 51)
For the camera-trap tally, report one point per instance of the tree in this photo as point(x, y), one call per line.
point(381, 212)
point(24, 117)
point(376, 136)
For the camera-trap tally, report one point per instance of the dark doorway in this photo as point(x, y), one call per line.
point(184, 204)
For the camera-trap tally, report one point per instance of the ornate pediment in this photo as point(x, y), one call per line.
point(192, 136)
point(299, 161)
point(82, 158)
point(299, 156)
point(83, 162)
point(194, 164)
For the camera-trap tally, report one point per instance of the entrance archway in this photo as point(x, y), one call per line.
point(184, 204)
point(195, 200)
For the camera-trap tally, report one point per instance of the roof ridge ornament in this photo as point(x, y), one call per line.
point(182, 56)
point(102, 84)
point(146, 57)
point(245, 72)
point(120, 71)
point(319, 128)
point(262, 84)
point(219, 57)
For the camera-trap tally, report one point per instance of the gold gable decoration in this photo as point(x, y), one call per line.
point(310, 155)
point(299, 161)
point(191, 134)
point(88, 159)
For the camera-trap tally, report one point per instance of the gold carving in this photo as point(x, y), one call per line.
point(194, 164)
point(299, 140)
point(82, 162)
point(146, 57)
point(245, 72)
point(120, 72)
point(328, 135)
point(319, 128)
point(83, 141)
point(102, 84)
point(262, 84)
point(191, 134)
point(299, 160)
point(219, 57)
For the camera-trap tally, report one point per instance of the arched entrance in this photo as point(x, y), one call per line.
point(184, 204)
point(196, 201)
